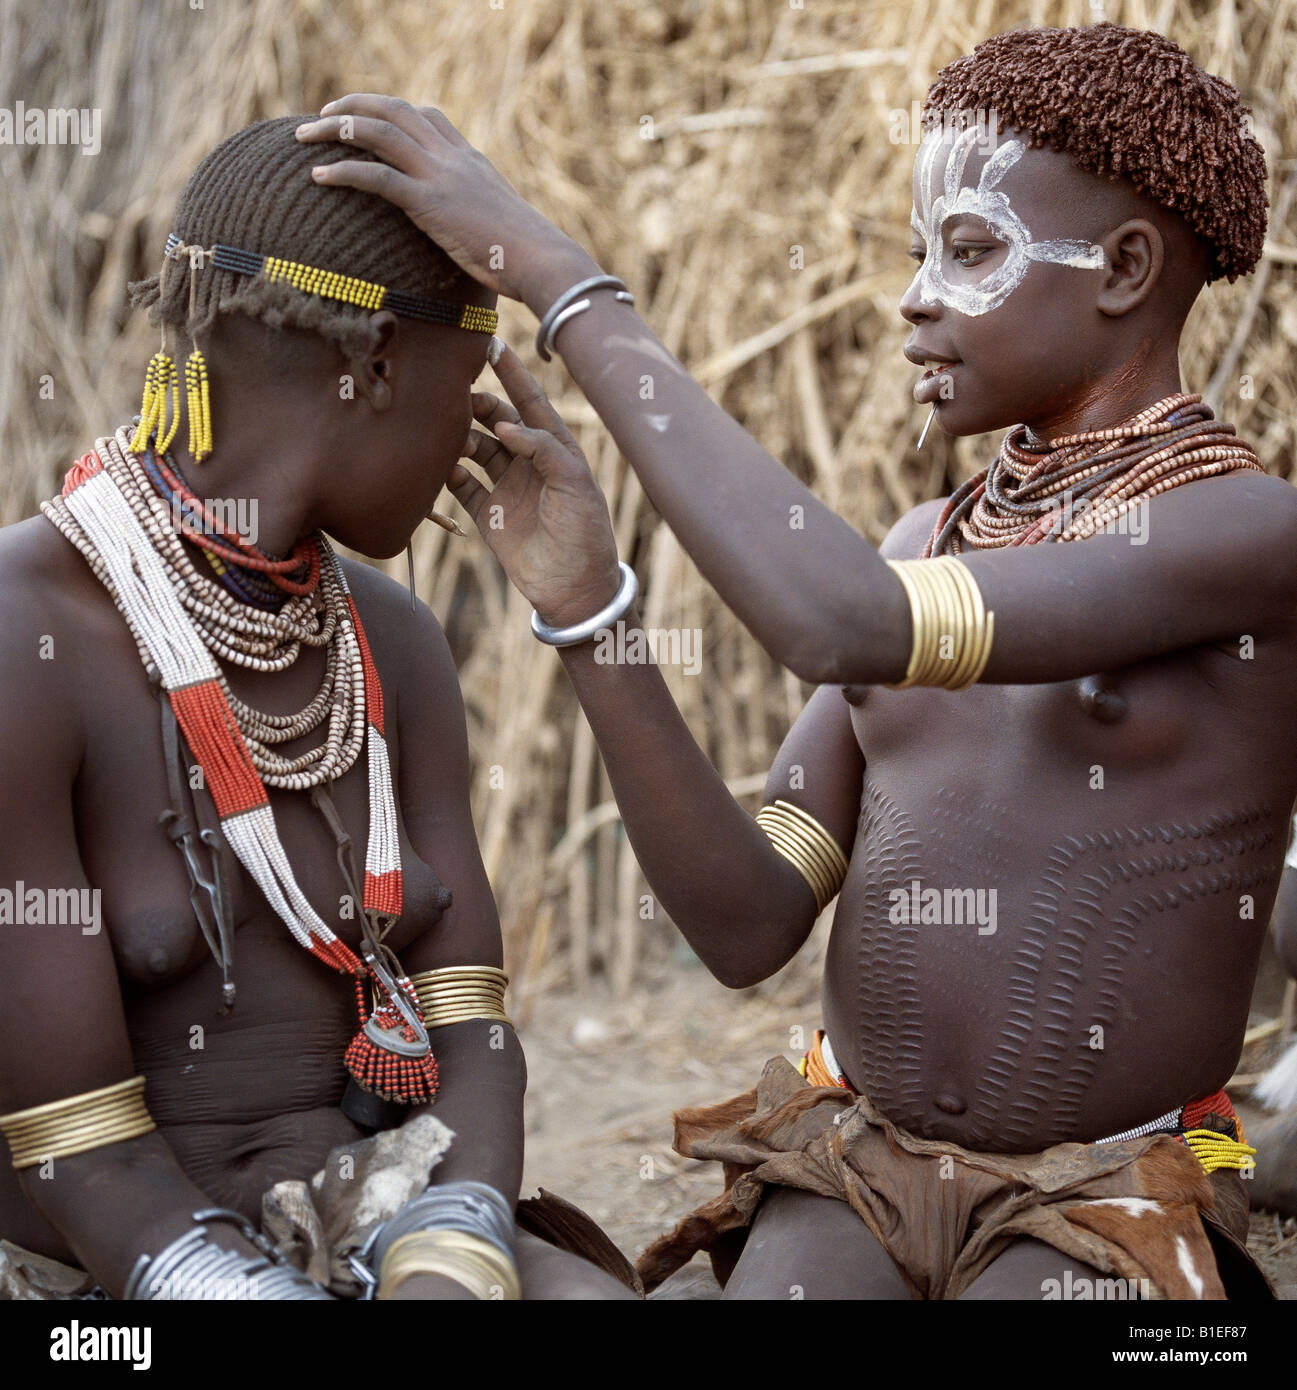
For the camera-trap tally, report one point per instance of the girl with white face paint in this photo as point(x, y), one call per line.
point(1058, 296)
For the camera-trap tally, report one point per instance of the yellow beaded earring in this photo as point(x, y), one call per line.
point(198, 405)
point(159, 377)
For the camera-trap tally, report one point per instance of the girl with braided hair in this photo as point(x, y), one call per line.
point(1049, 760)
point(178, 1068)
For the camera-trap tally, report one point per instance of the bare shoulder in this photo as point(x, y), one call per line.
point(410, 649)
point(905, 541)
point(51, 591)
point(39, 566)
point(1241, 527)
point(50, 639)
point(1235, 504)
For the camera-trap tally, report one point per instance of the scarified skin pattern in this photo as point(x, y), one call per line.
point(1090, 902)
point(891, 1038)
point(887, 999)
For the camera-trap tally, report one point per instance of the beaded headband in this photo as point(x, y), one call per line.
point(331, 284)
point(161, 377)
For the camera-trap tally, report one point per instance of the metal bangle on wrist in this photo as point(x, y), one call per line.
point(569, 304)
point(193, 1267)
point(474, 1211)
point(609, 613)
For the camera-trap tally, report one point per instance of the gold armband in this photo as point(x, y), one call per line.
point(461, 992)
point(807, 846)
point(482, 1268)
point(952, 628)
point(77, 1124)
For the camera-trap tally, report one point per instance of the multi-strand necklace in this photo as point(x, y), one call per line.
point(1073, 486)
point(182, 622)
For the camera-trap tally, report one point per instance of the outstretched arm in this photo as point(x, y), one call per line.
point(742, 906)
point(815, 593)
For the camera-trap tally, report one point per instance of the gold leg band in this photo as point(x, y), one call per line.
point(807, 846)
point(952, 628)
point(457, 993)
point(482, 1268)
point(77, 1124)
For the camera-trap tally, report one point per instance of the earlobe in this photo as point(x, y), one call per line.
point(1136, 252)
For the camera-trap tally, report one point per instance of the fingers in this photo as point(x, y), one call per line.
point(436, 118)
point(370, 177)
point(489, 454)
point(529, 396)
point(467, 491)
point(396, 111)
point(388, 141)
point(550, 457)
point(490, 410)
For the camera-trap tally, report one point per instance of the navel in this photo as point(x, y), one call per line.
point(1100, 699)
point(951, 1104)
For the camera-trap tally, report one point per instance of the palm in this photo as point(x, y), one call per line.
point(544, 517)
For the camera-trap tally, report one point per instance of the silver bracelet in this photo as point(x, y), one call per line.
point(473, 1207)
point(192, 1267)
point(563, 308)
point(582, 632)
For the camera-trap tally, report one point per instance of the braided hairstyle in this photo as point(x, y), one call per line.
point(1125, 103)
point(255, 191)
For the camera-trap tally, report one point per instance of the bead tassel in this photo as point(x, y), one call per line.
point(198, 406)
point(411, 1080)
point(159, 376)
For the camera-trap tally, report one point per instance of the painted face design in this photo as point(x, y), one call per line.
point(992, 206)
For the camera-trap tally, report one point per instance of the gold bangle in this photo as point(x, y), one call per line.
point(77, 1124)
point(457, 993)
point(807, 846)
point(467, 1015)
point(952, 628)
point(482, 1268)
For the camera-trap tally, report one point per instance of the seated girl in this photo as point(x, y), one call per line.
point(286, 995)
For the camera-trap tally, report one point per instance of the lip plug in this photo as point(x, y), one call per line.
point(926, 427)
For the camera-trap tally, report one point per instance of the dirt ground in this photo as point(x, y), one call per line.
point(604, 1077)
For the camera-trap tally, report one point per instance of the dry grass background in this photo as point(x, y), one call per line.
point(770, 128)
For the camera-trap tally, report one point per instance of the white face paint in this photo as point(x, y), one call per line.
point(992, 206)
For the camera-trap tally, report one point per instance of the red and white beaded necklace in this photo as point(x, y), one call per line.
point(181, 621)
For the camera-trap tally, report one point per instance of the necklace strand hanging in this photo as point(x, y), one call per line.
point(1074, 486)
point(182, 622)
